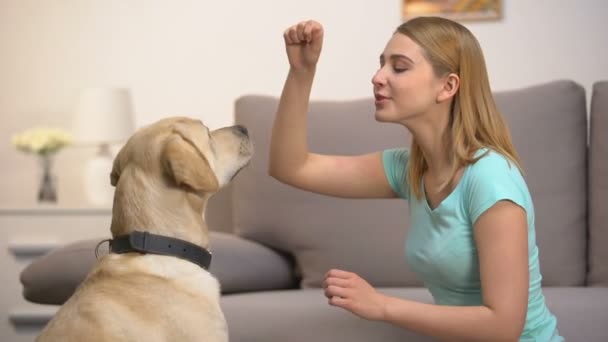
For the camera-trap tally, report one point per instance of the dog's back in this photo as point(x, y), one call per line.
point(160, 298)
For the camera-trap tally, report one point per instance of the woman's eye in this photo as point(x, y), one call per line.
point(399, 70)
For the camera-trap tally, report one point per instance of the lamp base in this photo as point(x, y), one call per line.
point(98, 189)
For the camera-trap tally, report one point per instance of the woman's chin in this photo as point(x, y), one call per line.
point(381, 117)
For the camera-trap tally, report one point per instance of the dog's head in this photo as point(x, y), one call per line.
point(171, 163)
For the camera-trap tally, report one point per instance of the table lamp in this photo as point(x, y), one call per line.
point(102, 117)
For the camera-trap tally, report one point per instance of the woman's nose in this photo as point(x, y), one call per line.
point(378, 78)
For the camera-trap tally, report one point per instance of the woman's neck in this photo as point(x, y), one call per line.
point(433, 136)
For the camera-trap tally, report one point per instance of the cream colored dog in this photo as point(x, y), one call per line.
point(163, 176)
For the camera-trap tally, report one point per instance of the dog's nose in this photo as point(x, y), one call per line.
point(242, 129)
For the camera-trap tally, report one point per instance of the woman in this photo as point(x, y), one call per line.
point(472, 237)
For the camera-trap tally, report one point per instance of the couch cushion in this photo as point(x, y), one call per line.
point(598, 186)
point(582, 312)
point(363, 236)
point(304, 316)
point(238, 264)
point(52, 279)
point(549, 128)
point(548, 124)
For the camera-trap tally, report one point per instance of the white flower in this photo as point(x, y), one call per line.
point(42, 140)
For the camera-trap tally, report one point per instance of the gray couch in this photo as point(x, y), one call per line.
point(283, 240)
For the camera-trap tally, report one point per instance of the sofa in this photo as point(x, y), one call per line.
point(272, 244)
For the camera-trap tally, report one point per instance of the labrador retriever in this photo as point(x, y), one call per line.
point(154, 285)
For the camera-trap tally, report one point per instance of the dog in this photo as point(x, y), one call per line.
point(163, 177)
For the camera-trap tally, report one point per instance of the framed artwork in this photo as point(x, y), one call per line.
point(458, 10)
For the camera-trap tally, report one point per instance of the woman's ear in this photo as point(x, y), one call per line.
point(451, 84)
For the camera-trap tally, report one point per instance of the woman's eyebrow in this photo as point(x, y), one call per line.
point(397, 56)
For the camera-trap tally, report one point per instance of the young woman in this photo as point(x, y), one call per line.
point(472, 237)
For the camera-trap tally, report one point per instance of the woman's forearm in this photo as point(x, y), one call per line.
point(451, 323)
point(288, 144)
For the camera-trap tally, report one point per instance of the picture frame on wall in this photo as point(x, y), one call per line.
point(458, 10)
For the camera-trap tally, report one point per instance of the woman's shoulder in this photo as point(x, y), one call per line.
point(395, 168)
point(395, 157)
point(493, 169)
point(495, 177)
point(401, 153)
point(492, 163)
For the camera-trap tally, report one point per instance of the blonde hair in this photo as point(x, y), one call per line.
point(475, 122)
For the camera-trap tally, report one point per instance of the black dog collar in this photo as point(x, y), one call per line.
point(144, 242)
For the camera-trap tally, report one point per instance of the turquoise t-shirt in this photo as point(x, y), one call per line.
point(440, 246)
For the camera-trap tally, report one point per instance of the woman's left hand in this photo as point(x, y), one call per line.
point(349, 291)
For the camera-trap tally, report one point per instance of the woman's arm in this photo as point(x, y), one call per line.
point(290, 161)
point(502, 241)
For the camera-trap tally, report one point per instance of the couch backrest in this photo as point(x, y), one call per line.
point(365, 236)
point(549, 129)
point(598, 186)
point(548, 124)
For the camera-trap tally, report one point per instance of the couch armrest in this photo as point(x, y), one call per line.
point(240, 265)
point(52, 278)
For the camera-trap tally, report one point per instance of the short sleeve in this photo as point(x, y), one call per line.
point(494, 178)
point(395, 168)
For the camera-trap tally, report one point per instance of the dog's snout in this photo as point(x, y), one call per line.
point(242, 129)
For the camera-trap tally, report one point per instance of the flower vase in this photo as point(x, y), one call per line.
point(47, 191)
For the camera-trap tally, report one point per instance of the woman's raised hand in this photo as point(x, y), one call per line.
point(303, 43)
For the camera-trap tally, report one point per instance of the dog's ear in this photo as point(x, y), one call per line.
point(116, 169)
point(187, 165)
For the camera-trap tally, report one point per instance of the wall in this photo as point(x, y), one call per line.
point(187, 57)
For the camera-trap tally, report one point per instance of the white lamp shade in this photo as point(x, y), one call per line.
point(103, 115)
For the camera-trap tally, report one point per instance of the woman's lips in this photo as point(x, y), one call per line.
point(380, 99)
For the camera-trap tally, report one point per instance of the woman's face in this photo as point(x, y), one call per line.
point(405, 86)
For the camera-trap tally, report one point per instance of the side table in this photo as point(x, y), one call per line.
point(27, 233)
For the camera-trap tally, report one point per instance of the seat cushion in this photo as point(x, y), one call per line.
point(304, 316)
point(582, 312)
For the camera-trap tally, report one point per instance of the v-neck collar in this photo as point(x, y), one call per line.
point(446, 198)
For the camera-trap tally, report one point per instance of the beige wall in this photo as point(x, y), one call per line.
point(194, 58)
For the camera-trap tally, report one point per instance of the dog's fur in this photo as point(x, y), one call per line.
point(163, 176)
